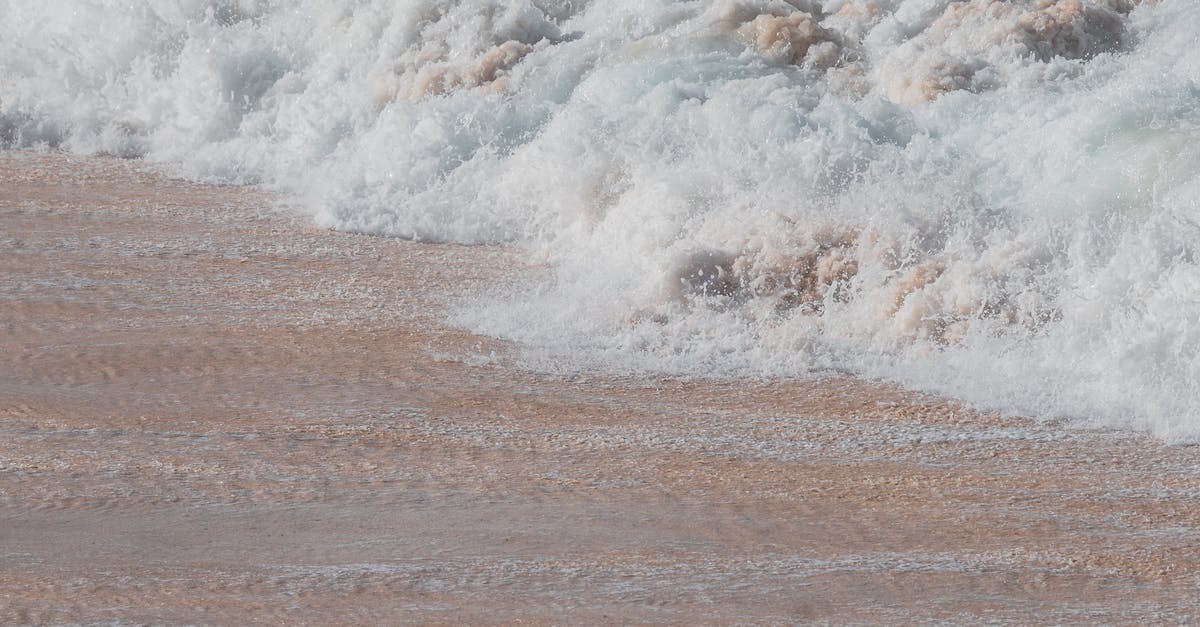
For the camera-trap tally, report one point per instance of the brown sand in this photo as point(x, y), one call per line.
point(211, 412)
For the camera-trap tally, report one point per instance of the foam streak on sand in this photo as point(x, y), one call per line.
point(995, 200)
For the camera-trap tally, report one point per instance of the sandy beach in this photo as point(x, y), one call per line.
point(212, 411)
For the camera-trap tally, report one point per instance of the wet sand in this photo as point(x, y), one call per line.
point(214, 412)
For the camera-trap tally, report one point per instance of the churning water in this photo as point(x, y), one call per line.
point(993, 199)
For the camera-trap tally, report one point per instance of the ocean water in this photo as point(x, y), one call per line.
point(994, 200)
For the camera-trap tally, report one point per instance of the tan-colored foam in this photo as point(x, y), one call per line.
point(955, 50)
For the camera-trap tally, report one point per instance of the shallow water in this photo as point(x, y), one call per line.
point(990, 200)
point(215, 413)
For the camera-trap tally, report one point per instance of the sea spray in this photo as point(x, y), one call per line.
point(995, 200)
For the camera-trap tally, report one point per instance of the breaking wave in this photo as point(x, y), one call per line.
point(992, 199)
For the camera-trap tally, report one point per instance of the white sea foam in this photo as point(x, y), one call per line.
point(993, 199)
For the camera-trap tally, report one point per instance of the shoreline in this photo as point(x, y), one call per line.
point(212, 411)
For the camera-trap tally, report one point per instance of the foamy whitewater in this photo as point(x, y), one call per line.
point(995, 200)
